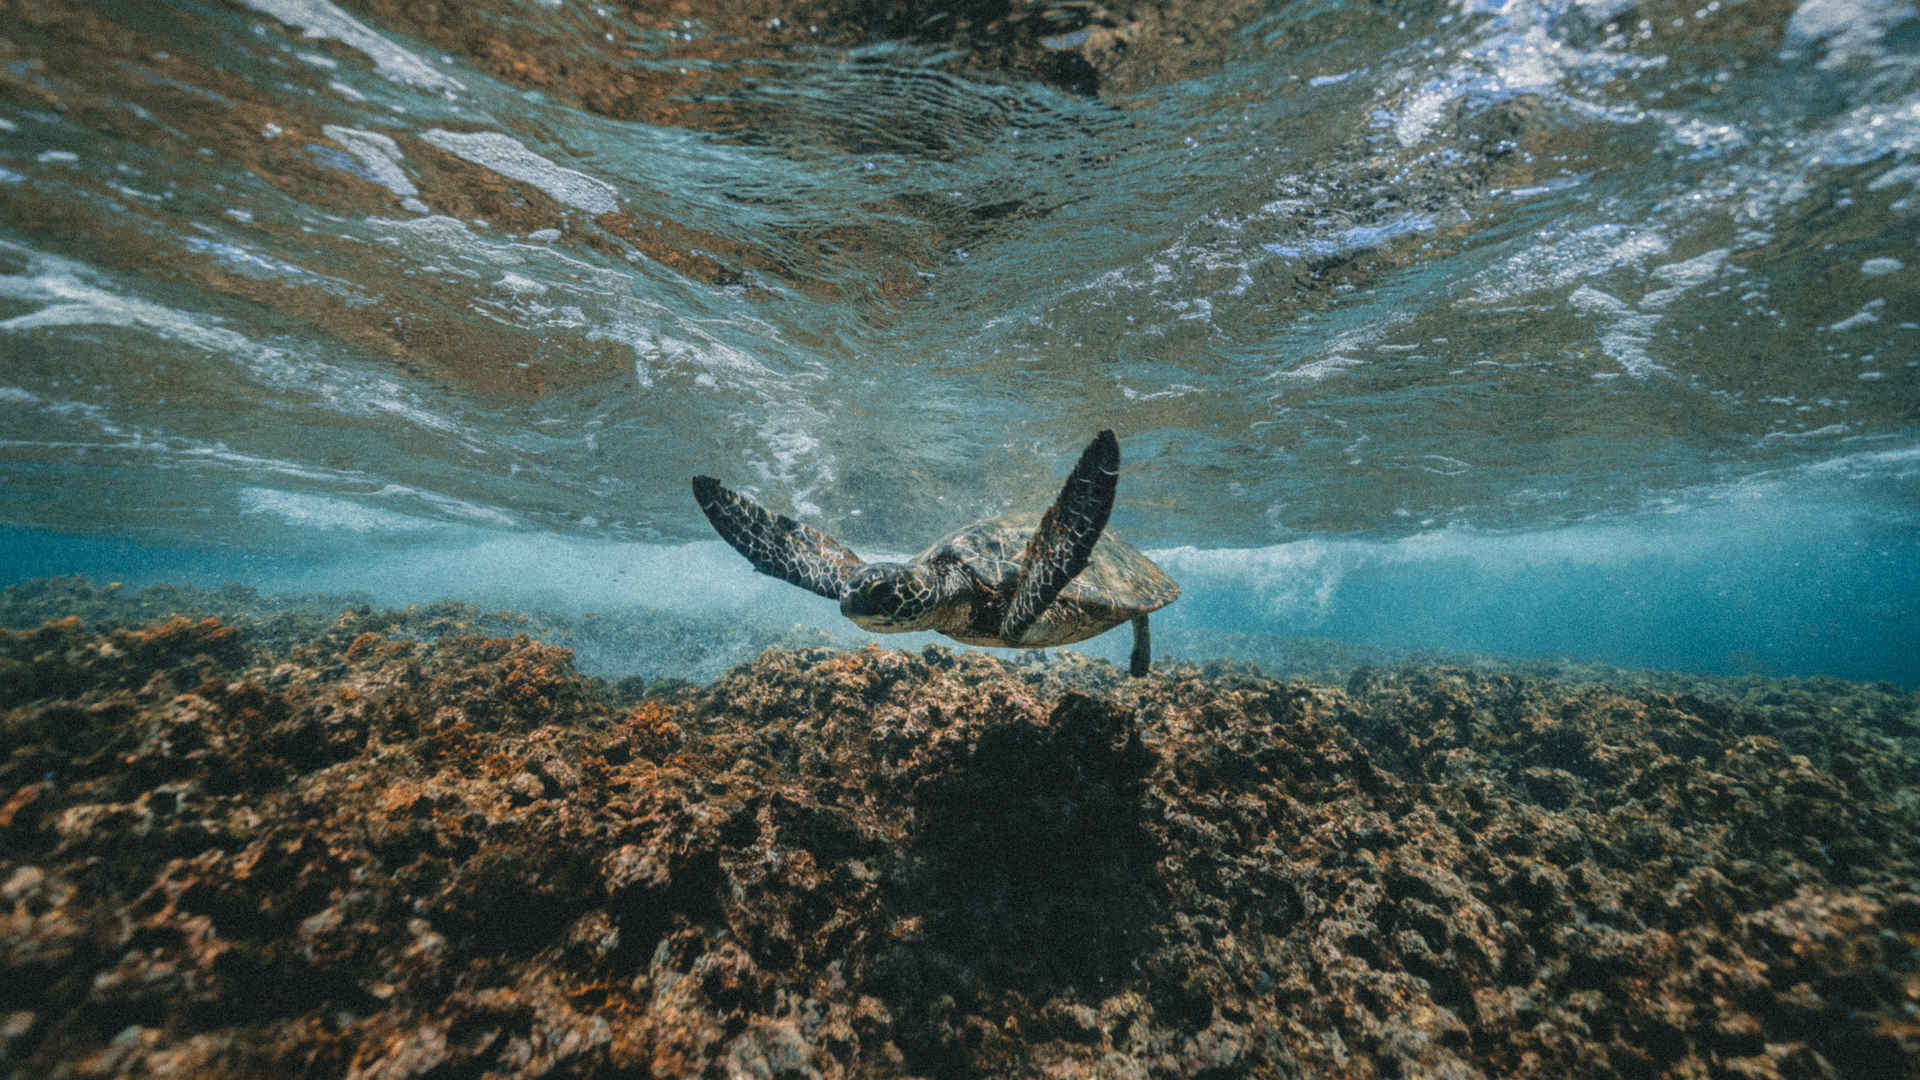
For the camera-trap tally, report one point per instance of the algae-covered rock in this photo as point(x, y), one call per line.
point(231, 849)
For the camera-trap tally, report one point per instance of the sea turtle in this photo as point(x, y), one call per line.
point(1006, 582)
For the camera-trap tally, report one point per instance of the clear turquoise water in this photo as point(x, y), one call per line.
point(1564, 328)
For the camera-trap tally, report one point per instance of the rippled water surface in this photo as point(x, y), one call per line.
point(1580, 327)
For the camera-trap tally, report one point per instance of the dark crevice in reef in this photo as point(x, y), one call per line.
point(359, 845)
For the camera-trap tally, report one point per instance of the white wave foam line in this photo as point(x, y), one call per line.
point(324, 512)
point(449, 506)
point(319, 19)
point(1356, 238)
point(1901, 463)
point(70, 301)
point(509, 157)
point(1300, 582)
point(339, 513)
point(1312, 371)
point(1296, 581)
point(534, 570)
point(223, 456)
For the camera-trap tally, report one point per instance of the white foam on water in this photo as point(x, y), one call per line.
point(259, 265)
point(361, 513)
point(1312, 371)
point(447, 505)
point(320, 19)
point(1898, 463)
point(1844, 29)
point(446, 232)
point(325, 512)
point(1829, 431)
point(520, 285)
point(1520, 52)
point(379, 153)
point(1868, 315)
point(1557, 259)
point(1356, 238)
point(1624, 332)
point(1908, 174)
point(1692, 272)
point(510, 157)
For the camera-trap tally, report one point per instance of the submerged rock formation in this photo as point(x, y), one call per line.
point(225, 853)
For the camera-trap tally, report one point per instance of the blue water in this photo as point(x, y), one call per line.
point(1574, 329)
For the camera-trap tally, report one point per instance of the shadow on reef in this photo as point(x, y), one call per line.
point(324, 850)
point(1030, 860)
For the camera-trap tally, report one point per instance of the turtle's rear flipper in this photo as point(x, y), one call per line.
point(1142, 657)
point(775, 544)
point(1064, 541)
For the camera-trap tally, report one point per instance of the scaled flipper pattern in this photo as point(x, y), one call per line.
point(775, 544)
point(1063, 543)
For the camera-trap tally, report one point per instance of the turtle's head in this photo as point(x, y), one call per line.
point(888, 598)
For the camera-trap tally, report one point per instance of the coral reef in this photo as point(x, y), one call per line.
point(236, 849)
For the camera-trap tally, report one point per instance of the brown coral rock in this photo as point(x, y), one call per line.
point(363, 854)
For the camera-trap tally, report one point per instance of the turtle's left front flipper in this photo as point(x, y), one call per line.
point(1063, 543)
point(775, 544)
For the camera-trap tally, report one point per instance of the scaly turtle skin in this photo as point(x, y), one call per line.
point(1004, 582)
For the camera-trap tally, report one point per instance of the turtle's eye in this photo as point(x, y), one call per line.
point(880, 596)
point(875, 595)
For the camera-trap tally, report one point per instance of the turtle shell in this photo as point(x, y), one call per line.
point(1117, 584)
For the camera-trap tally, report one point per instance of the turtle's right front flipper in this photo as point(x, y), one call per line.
point(775, 544)
point(1061, 546)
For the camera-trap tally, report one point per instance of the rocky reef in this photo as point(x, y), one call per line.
point(338, 846)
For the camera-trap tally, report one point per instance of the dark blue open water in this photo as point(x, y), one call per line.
point(1557, 328)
